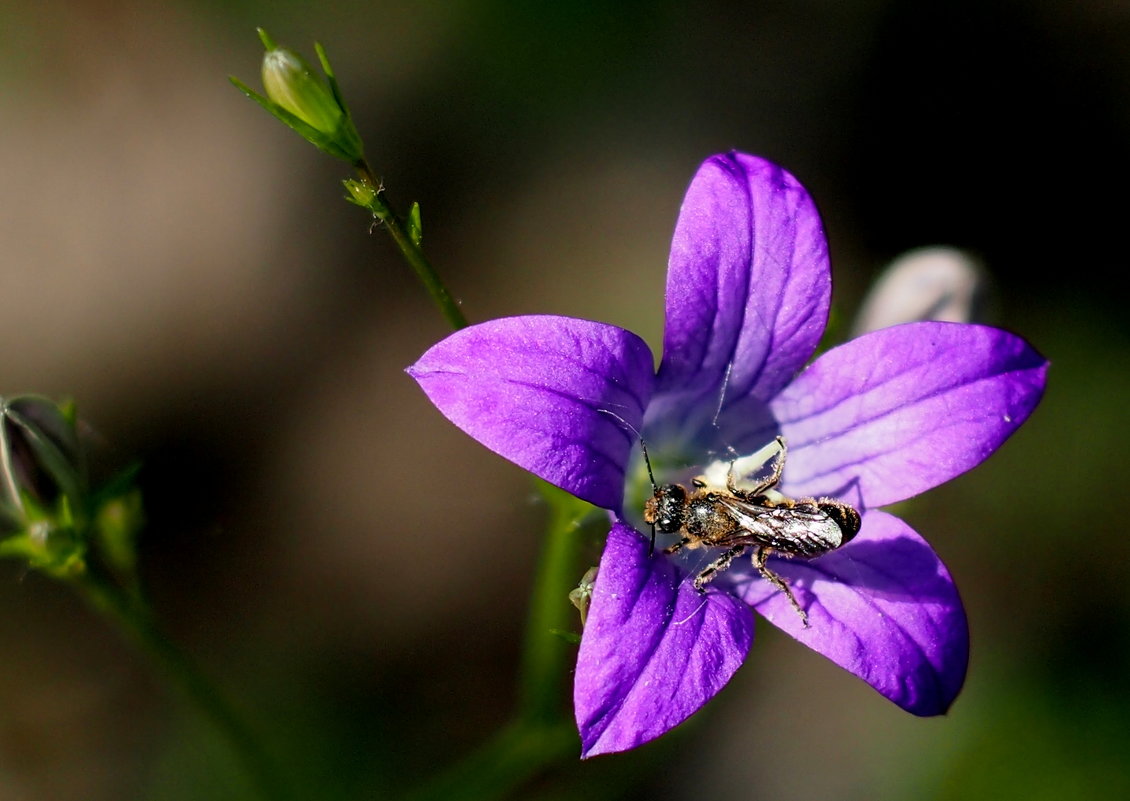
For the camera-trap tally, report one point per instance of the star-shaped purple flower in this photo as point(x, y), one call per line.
point(872, 422)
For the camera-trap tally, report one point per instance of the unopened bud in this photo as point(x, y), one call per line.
point(289, 82)
point(42, 483)
point(40, 455)
point(931, 283)
point(304, 101)
point(50, 517)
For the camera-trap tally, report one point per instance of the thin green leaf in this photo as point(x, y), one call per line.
point(568, 636)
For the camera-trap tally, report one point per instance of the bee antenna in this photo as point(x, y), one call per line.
point(654, 489)
point(647, 461)
point(628, 426)
point(639, 436)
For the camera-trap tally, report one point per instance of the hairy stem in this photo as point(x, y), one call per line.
point(411, 251)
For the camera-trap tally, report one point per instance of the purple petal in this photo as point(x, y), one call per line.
point(654, 650)
point(748, 282)
point(883, 607)
point(898, 411)
point(551, 394)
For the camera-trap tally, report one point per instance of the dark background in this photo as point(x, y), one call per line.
point(354, 569)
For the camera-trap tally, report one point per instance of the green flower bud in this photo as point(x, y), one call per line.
point(305, 102)
point(42, 484)
point(40, 455)
point(50, 515)
point(290, 83)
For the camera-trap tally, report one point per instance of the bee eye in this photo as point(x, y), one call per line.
point(672, 502)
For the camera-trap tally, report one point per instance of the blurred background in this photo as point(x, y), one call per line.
point(353, 568)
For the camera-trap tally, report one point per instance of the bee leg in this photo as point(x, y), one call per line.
point(678, 545)
point(767, 484)
point(760, 555)
point(730, 485)
point(716, 567)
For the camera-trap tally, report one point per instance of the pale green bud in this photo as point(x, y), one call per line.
point(305, 102)
point(290, 83)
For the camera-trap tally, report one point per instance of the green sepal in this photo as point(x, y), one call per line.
point(335, 90)
point(324, 142)
point(360, 193)
point(118, 518)
point(48, 540)
point(415, 225)
point(346, 128)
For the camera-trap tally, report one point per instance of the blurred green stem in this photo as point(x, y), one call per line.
point(411, 251)
point(137, 623)
point(512, 757)
point(541, 733)
point(543, 670)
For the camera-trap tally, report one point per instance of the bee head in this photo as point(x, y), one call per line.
point(666, 510)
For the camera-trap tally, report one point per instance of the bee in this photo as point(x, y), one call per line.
point(758, 518)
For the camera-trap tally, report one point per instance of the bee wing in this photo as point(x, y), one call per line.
point(800, 530)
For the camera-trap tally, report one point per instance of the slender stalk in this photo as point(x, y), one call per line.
point(513, 756)
point(411, 251)
point(544, 660)
point(541, 734)
point(138, 625)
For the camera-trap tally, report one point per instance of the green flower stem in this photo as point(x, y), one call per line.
point(137, 624)
point(510, 759)
point(411, 252)
point(545, 659)
point(542, 734)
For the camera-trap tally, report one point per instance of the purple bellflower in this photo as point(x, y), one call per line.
point(870, 423)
